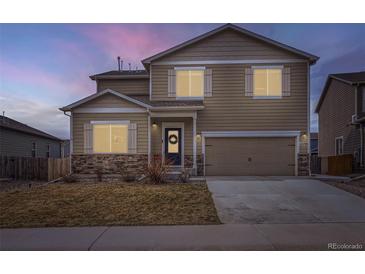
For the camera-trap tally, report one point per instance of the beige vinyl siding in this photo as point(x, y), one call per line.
point(229, 45)
point(156, 134)
point(230, 110)
point(111, 101)
point(335, 118)
point(79, 119)
point(125, 86)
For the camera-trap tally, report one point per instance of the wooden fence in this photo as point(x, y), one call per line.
point(27, 168)
point(58, 167)
point(340, 165)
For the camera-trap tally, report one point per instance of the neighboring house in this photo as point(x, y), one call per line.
point(314, 143)
point(341, 116)
point(17, 139)
point(228, 102)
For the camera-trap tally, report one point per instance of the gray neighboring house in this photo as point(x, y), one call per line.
point(18, 139)
point(341, 116)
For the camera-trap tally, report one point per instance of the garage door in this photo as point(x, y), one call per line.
point(250, 156)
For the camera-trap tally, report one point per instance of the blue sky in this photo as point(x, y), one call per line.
point(46, 66)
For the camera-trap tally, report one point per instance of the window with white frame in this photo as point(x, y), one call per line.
point(190, 82)
point(339, 146)
point(110, 138)
point(267, 81)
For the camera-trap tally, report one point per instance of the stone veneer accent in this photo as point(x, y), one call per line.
point(124, 164)
point(303, 164)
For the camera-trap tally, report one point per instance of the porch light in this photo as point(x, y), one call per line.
point(198, 137)
point(154, 125)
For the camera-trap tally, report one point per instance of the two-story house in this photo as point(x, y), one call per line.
point(341, 117)
point(228, 102)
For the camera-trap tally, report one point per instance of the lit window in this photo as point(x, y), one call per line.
point(110, 138)
point(339, 146)
point(267, 82)
point(189, 83)
point(34, 149)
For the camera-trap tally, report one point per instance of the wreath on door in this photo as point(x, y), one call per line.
point(173, 139)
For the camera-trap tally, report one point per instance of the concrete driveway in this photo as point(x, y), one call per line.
point(282, 200)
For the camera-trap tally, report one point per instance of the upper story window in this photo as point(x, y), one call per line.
point(267, 82)
point(189, 82)
point(110, 138)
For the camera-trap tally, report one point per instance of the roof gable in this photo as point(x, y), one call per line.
point(326, 87)
point(244, 34)
point(100, 94)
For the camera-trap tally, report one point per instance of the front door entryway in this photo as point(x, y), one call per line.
point(173, 145)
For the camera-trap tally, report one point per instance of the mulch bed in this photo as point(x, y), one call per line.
point(107, 204)
point(354, 187)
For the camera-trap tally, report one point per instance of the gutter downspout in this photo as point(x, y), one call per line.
point(71, 138)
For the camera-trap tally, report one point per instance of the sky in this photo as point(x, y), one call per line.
point(46, 66)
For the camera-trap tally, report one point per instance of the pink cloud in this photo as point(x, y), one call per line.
point(132, 42)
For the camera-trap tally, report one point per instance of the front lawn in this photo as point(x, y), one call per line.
point(106, 204)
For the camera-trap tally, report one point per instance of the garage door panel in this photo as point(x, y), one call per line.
point(250, 156)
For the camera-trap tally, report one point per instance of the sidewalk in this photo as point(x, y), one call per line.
point(210, 237)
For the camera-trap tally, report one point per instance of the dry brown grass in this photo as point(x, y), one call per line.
point(106, 204)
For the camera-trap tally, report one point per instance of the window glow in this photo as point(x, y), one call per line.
point(267, 82)
point(110, 138)
point(190, 83)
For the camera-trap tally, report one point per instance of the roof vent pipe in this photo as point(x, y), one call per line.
point(118, 63)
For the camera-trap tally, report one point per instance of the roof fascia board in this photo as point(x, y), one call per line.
point(224, 62)
point(102, 77)
point(96, 95)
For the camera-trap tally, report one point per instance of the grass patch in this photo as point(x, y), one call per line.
point(107, 204)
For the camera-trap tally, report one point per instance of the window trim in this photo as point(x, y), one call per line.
point(189, 97)
point(342, 145)
point(113, 122)
point(34, 148)
point(263, 97)
point(48, 152)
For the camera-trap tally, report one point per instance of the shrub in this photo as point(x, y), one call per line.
point(157, 170)
point(184, 176)
point(71, 178)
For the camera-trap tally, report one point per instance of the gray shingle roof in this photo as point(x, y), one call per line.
point(9, 123)
point(121, 74)
point(180, 103)
point(352, 77)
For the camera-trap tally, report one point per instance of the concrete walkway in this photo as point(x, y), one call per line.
point(211, 237)
point(282, 200)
